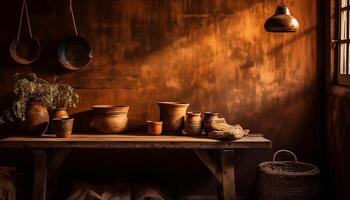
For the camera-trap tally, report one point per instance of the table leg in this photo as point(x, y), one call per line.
point(40, 174)
point(228, 174)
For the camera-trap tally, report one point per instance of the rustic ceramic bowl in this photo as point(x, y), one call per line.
point(110, 118)
point(154, 127)
point(62, 127)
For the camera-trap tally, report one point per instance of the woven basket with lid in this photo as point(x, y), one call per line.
point(287, 180)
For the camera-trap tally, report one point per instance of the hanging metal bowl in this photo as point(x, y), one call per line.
point(26, 50)
point(74, 53)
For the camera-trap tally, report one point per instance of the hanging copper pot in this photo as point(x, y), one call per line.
point(25, 49)
point(74, 52)
point(282, 21)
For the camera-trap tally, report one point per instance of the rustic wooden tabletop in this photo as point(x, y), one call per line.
point(132, 141)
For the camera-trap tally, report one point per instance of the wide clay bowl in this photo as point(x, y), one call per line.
point(110, 118)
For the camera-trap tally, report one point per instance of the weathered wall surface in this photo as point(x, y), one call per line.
point(213, 54)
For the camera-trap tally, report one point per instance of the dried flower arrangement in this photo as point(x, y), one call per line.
point(29, 88)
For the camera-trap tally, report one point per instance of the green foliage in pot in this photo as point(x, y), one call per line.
point(29, 88)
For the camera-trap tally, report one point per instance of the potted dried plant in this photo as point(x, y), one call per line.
point(65, 97)
point(33, 97)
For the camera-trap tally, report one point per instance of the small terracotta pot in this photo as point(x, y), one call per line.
point(173, 116)
point(208, 116)
point(154, 127)
point(62, 127)
point(59, 113)
point(110, 118)
point(37, 119)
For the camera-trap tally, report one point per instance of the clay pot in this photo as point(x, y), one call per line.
point(154, 128)
point(173, 116)
point(110, 118)
point(37, 119)
point(193, 124)
point(208, 116)
point(62, 127)
point(59, 113)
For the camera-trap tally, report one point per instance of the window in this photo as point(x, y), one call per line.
point(343, 69)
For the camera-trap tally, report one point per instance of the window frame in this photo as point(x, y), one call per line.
point(342, 79)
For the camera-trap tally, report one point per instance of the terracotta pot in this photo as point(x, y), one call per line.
point(154, 128)
point(62, 127)
point(37, 119)
point(173, 116)
point(208, 116)
point(110, 118)
point(193, 124)
point(59, 113)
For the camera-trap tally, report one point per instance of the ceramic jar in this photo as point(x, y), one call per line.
point(59, 113)
point(154, 127)
point(193, 124)
point(110, 118)
point(208, 116)
point(62, 127)
point(173, 116)
point(37, 119)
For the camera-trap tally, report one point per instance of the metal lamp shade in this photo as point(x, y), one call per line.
point(282, 21)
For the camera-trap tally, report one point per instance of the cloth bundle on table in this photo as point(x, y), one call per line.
point(221, 130)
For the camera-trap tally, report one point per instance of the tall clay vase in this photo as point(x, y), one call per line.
point(37, 119)
point(173, 116)
point(59, 113)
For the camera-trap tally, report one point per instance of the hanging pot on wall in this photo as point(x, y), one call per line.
point(74, 52)
point(25, 49)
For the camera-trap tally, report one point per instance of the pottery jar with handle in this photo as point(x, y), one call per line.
point(173, 116)
point(193, 124)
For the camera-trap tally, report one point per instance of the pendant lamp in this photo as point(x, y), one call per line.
point(282, 21)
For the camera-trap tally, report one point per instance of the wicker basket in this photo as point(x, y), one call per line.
point(292, 180)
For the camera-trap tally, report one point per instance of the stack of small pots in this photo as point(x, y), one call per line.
point(61, 123)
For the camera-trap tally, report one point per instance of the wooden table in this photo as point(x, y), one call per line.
point(223, 170)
